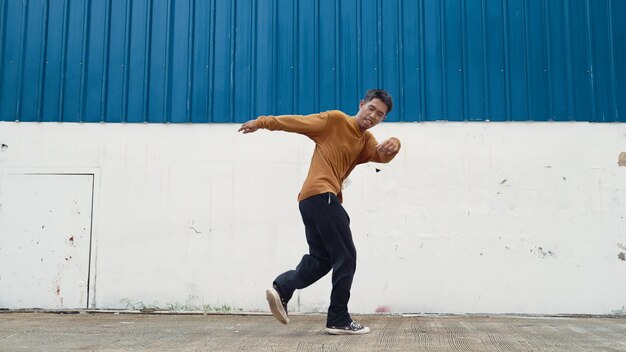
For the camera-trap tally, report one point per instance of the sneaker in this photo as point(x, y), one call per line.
point(277, 305)
point(353, 329)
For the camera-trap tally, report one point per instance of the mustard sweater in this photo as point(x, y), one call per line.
point(340, 145)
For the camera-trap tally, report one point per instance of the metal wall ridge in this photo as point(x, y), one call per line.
point(202, 61)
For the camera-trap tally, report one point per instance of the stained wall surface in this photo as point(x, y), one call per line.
point(519, 217)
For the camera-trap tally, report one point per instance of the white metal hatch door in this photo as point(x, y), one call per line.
point(45, 235)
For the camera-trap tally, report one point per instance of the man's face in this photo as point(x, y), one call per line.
point(371, 113)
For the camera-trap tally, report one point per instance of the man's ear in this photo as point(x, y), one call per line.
point(361, 104)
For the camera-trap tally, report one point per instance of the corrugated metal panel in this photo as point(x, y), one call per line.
point(228, 60)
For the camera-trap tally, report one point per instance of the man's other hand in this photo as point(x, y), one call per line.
point(390, 146)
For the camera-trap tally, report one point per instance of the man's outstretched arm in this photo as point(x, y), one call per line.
point(309, 125)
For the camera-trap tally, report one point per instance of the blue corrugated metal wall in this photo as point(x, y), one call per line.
point(229, 60)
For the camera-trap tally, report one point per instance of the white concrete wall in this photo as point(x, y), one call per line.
point(469, 218)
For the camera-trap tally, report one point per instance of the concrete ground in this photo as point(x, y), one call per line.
point(32, 331)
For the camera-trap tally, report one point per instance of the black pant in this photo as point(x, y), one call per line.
point(328, 234)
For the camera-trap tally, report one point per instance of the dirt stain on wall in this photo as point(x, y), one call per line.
point(621, 160)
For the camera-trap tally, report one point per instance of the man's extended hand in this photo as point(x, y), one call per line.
point(248, 127)
point(390, 146)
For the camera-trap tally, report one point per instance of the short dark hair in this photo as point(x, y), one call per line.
point(379, 94)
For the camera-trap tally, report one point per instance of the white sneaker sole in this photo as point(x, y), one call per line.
point(276, 306)
point(363, 331)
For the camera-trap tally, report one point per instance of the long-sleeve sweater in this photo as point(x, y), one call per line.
point(340, 145)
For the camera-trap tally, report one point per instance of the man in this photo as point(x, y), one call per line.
point(341, 143)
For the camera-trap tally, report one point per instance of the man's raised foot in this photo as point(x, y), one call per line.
point(278, 306)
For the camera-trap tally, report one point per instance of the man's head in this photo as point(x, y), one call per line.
point(374, 107)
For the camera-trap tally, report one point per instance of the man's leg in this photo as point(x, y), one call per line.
point(312, 266)
point(337, 237)
point(331, 246)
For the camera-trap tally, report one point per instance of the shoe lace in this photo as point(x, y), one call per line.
point(355, 325)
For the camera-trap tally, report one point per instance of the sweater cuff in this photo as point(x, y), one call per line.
point(260, 121)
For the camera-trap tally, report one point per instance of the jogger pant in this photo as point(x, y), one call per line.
point(327, 227)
